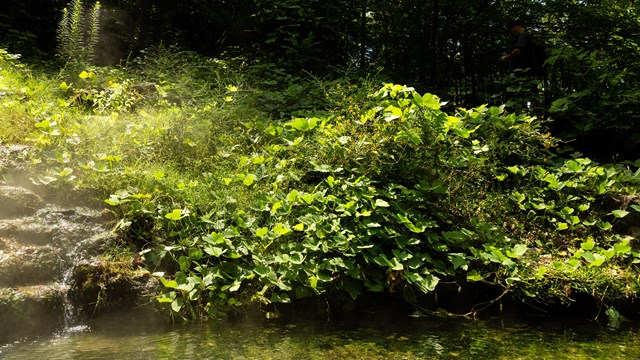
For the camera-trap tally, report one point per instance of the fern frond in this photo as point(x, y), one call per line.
point(77, 39)
point(63, 33)
point(75, 30)
point(94, 32)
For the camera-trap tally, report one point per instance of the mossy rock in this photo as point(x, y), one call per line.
point(30, 310)
point(102, 286)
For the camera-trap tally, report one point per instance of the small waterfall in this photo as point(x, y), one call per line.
point(40, 243)
point(71, 319)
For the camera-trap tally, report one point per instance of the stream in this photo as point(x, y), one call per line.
point(127, 336)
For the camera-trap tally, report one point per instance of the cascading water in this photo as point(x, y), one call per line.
point(40, 243)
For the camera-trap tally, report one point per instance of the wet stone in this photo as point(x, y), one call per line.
point(40, 243)
point(26, 231)
point(30, 265)
point(18, 201)
point(29, 310)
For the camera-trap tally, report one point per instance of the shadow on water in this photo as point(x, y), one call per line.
point(127, 336)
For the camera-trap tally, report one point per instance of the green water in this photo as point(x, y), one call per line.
point(412, 338)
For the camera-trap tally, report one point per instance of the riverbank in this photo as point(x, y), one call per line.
point(239, 194)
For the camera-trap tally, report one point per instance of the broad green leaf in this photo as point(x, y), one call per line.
point(382, 260)
point(44, 180)
point(280, 229)
point(165, 299)
point(584, 207)
point(573, 263)
point(518, 250)
point(622, 247)
point(113, 200)
point(292, 196)
point(331, 181)
point(458, 260)
point(431, 101)
point(235, 286)
point(620, 213)
point(184, 263)
point(542, 270)
point(303, 124)
point(609, 253)
point(589, 256)
point(427, 283)
point(262, 231)
point(214, 250)
point(249, 179)
point(171, 284)
point(262, 271)
point(598, 260)
point(277, 205)
point(174, 215)
point(352, 288)
point(280, 298)
point(381, 203)
point(517, 196)
point(393, 113)
point(512, 279)
point(605, 226)
point(587, 245)
point(177, 304)
point(473, 276)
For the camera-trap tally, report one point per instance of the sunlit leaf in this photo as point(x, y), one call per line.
point(381, 203)
point(622, 247)
point(249, 179)
point(262, 232)
point(588, 245)
point(620, 213)
point(177, 304)
point(473, 276)
point(174, 215)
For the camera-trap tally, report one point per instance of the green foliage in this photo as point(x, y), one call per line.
point(24, 96)
point(77, 38)
point(239, 196)
point(395, 199)
point(603, 98)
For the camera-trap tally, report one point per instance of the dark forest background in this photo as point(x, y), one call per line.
point(447, 47)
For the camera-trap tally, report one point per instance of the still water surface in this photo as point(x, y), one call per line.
point(124, 337)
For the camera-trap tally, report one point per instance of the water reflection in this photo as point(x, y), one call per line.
point(420, 338)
